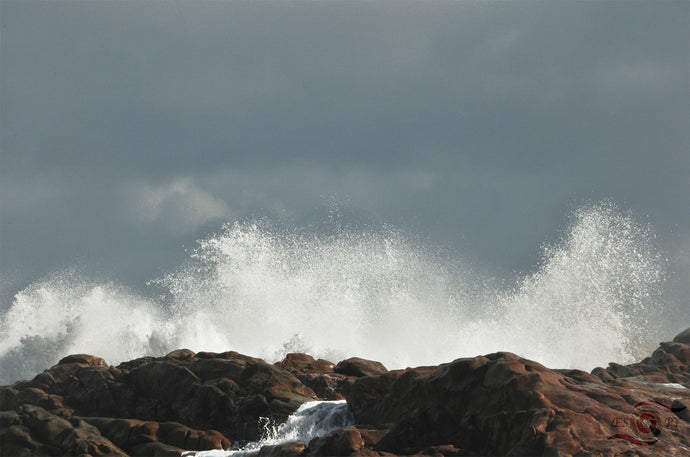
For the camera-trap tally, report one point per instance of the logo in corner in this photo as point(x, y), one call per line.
point(647, 423)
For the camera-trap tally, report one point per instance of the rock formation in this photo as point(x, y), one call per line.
point(496, 404)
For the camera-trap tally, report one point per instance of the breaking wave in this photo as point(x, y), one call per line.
point(266, 291)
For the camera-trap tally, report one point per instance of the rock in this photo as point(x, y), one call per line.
point(296, 362)
point(360, 367)
point(341, 442)
point(17, 440)
point(125, 433)
point(275, 383)
point(208, 369)
point(320, 366)
point(290, 449)
point(502, 404)
point(155, 449)
point(88, 360)
point(497, 404)
point(13, 398)
point(365, 397)
point(215, 397)
point(683, 337)
point(35, 431)
point(180, 354)
point(86, 439)
point(327, 386)
point(46, 427)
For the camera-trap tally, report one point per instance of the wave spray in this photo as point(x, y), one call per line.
point(266, 291)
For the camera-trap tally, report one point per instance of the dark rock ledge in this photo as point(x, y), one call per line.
point(497, 404)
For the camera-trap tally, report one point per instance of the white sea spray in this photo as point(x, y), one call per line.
point(264, 290)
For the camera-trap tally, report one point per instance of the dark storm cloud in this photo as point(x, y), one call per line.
point(131, 128)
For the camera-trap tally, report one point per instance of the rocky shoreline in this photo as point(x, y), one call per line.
point(497, 404)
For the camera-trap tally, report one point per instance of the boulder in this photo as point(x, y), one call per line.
point(31, 430)
point(296, 362)
point(495, 404)
point(289, 449)
point(683, 337)
point(356, 366)
point(502, 404)
point(340, 442)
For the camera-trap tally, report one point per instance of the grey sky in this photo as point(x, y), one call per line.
point(131, 129)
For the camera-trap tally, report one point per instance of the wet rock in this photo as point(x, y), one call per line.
point(327, 386)
point(497, 404)
point(502, 404)
point(341, 442)
point(275, 383)
point(290, 449)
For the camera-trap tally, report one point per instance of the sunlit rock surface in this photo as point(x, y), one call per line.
point(496, 404)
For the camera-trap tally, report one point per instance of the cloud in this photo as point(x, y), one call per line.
point(179, 206)
point(130, 128)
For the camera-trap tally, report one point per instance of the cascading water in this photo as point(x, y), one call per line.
point(312, 419)
point(265, 291)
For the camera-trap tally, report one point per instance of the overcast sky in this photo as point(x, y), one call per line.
point(131, 129)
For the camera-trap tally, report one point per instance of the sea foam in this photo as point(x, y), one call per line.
point(265, 291)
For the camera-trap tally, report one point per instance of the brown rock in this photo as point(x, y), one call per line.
point(156, 450)
point(503, 404)
point(275, 383)
point(208, 369)
point(321, 366)
point(125, 433)
point(180, 354)
point(13, 398)
point(296, 362)
point(290, 449)
point(86, 359)
point(327, 386)
point(683, 337)
point(46, 427)
point(17, 440)
point(86, 439)
point(372, 436)
point(360, 367)
point(341, 442)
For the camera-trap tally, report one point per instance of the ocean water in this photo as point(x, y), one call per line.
point(265, 290)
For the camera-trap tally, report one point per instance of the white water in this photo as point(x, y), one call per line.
point(311, 420)
point(263, 291)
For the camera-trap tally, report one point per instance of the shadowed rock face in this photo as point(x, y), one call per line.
point(497, 404)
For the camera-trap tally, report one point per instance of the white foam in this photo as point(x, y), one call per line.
point(312, 419)
point(265, 291)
